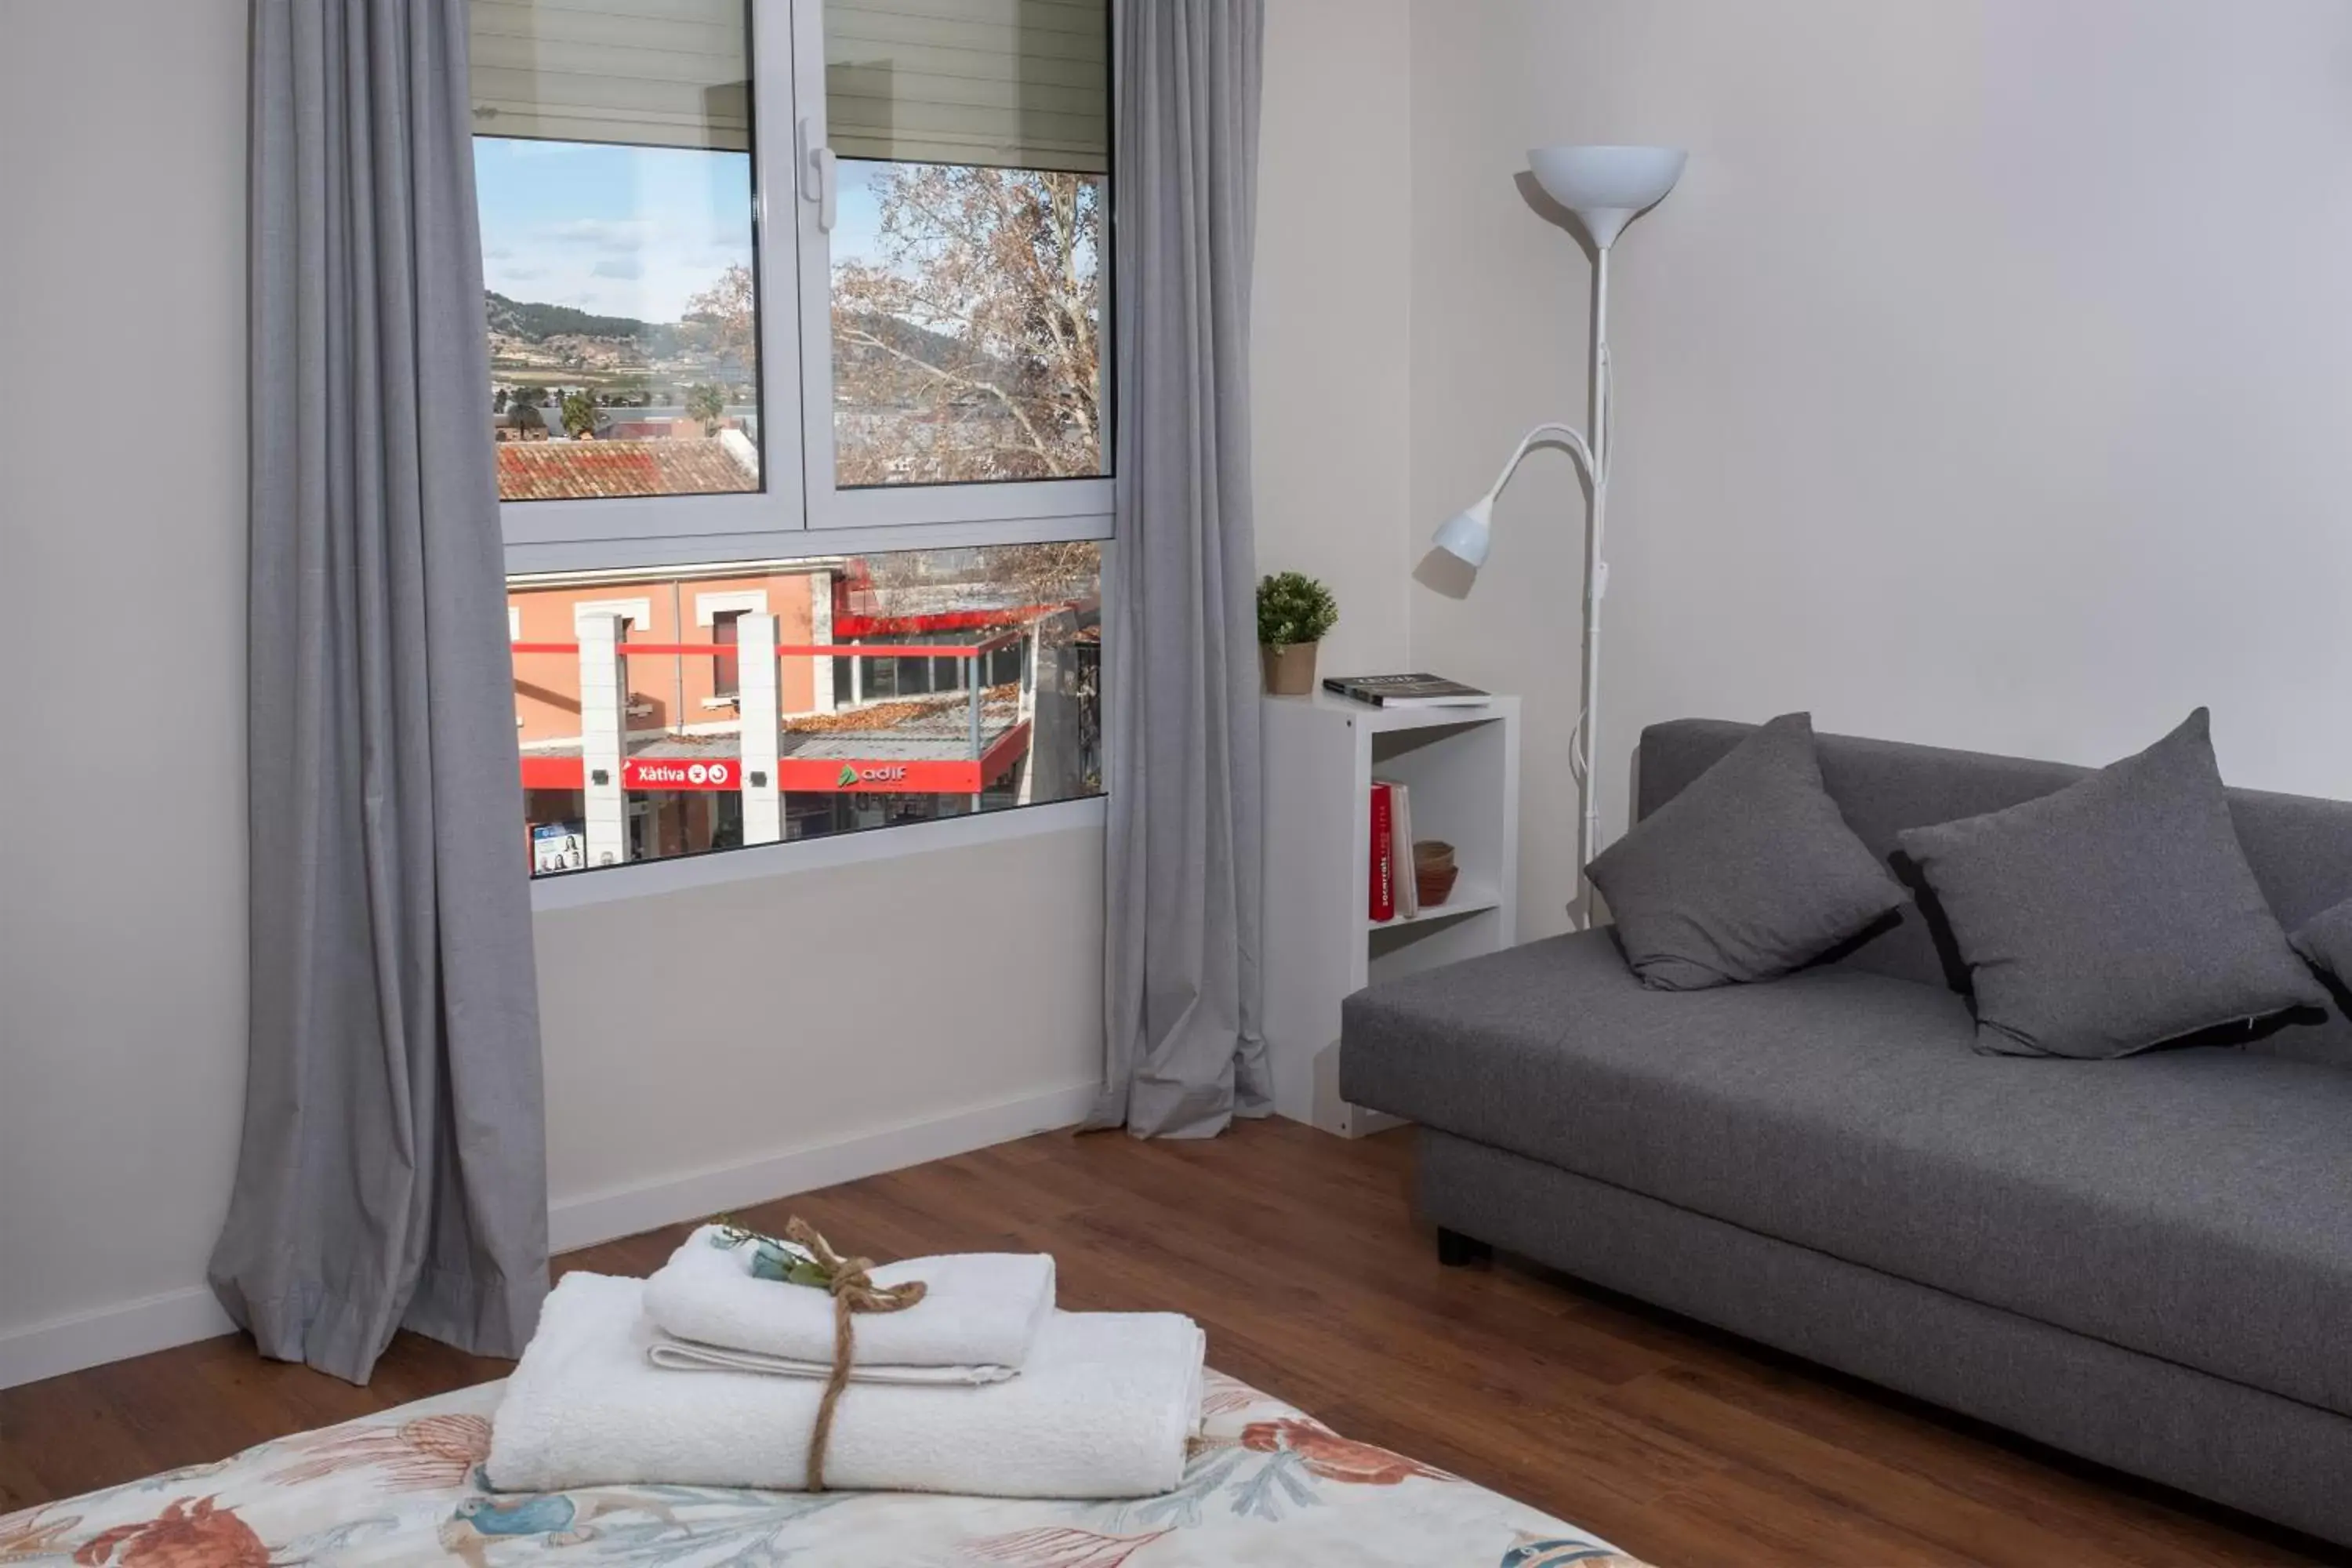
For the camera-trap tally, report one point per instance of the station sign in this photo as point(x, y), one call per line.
point(680, 773)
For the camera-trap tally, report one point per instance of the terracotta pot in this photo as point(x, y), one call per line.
point(1289, 668)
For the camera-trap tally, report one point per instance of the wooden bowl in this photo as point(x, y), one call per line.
point(1432, 852)
point(1434, 884)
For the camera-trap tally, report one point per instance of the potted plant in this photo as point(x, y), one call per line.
point(1294, 611)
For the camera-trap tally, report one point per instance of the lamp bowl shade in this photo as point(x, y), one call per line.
point(1605, 186)
point(1465, 535)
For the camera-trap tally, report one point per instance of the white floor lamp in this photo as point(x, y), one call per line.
point(1605, 187)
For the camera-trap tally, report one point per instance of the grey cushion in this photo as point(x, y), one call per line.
point(2114, 915)
point(1747, 874)
point(2326, 940)
point(2194, 1204)
point(2299, 846)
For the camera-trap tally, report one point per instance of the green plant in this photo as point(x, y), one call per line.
point(579, 414)
point(1292, 607)
point(707, 404)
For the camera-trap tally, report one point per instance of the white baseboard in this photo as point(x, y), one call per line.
point(177, 1317)
point(626, 1211)
point(110, 1333)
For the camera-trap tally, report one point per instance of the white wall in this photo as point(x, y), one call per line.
point(702, 1048)
point(1330, 411)
point(1987, 380)
point(709, 1049)
point(122, 858)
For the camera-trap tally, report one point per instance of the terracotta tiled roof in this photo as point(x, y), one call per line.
point(578, 471)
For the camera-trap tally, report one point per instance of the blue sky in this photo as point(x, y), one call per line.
point(628, 231)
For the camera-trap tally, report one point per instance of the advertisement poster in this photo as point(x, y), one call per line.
point(558, 847)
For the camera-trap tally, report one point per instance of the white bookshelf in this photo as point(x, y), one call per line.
point(1320, 943)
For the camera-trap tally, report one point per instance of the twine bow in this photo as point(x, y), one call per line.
point(854, 1291)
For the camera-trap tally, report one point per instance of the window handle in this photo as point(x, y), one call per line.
point(817, 181)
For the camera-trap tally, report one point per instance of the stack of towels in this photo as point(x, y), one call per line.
point(708, 1374)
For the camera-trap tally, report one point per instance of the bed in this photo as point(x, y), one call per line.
point(1266, 1484)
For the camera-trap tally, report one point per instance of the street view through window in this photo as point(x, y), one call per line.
point(675, 712)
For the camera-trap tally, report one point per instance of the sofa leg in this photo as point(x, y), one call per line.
point(1455, 1250)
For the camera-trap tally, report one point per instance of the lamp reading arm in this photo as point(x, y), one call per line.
point(1567, 435)
point(1596, 585)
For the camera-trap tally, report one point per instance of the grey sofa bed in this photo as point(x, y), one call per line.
point(2147, 1262)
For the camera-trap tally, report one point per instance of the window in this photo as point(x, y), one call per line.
point(953, 281)
point(798, 317)
point(622, 762)
point(613, 168)
point(966, 249)
point(725, 667)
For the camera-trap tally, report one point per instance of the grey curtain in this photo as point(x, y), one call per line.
point(392, 1171)
point(1182, 1054)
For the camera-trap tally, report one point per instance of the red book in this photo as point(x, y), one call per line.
point(1383, 854)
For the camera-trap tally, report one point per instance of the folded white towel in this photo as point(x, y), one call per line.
point(980, 1309)
point(1102, 1409)
point(685, 1355)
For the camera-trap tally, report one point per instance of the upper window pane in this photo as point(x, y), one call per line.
point(613, 168)
point(967, 299)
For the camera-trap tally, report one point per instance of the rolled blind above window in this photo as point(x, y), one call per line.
point(1017, 84)
point(645, 73)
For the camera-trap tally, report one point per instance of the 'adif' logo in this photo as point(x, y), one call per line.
point(848, 779)
point(852, 775)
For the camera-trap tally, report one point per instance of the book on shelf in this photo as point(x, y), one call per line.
point(1383, 861)
point(1416, 691)
point(1400, 877)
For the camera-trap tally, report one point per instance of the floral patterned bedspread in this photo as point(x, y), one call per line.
point(1266, 1484)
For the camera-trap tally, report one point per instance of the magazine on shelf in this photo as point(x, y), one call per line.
point(1417, 690)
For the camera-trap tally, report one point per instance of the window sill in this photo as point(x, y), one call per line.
point(652, 878)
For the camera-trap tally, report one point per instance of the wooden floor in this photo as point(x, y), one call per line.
point(1296, 1253)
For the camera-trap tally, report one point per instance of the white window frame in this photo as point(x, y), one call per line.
point(563, 535)
point(638, 612)
point(797, 510)
point(709, 607)
point(756, 862)
point(830, 507)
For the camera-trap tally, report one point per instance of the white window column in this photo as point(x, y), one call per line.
point(1032, 655)
point(820, 587)
point(757, 704)
point(604, 722)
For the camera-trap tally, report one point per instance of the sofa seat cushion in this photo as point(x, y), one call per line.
point(2193, 1204)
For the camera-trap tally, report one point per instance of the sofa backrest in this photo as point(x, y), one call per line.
point(2299, 846)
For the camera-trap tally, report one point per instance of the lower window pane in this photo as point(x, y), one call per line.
point(682, 710)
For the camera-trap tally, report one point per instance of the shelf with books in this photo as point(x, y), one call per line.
point(1450, 781)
